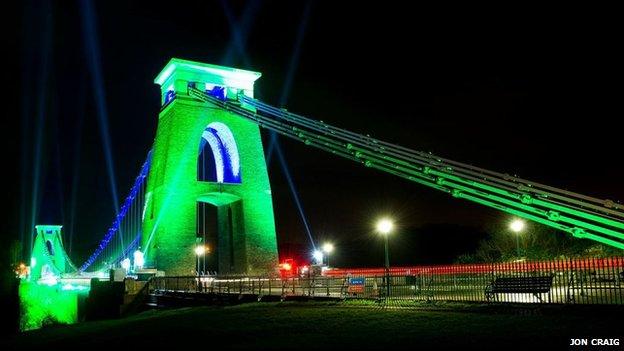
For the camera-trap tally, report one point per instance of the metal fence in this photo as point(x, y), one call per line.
point(580, 281)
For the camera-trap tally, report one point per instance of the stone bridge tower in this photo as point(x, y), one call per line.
point(208, 184)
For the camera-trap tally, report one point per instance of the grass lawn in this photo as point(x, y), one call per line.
point(291, 325)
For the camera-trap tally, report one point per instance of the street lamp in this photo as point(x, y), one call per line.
point(517, 226)
point(125, 264)
point(328, 248)
point(318, 256)
point(384, 227)
point(139, 260)
point(200, 250)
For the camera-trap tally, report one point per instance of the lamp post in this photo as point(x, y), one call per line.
point(318, 256)
point(327, 248)
point(207, 248)
point(125, 264)
point(139, 260)
point(384, 227)
point(199, 251)
point(517, 226)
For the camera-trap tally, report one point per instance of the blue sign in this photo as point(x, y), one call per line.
point(357, 281)
point(356, 285)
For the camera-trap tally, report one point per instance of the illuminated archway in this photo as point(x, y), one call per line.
point(218, 159)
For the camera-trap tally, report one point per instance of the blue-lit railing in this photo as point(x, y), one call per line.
point(114, 229)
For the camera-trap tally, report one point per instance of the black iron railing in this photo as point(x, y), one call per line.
point(586, 281)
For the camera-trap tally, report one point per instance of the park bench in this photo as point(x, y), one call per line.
point(594, 285)
point(606, 277)
point(519, 285)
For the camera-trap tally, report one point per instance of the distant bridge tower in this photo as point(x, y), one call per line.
point(48, 260)
point(208, 181)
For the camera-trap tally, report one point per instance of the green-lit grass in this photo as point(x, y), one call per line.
point(327, 325)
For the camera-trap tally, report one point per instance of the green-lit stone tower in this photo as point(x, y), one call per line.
point(48, 257)
point(207, 166)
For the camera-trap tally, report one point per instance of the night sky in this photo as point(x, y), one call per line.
point(532, 92)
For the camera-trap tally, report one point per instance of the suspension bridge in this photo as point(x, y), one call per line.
point(204, 184)
point(205, 180)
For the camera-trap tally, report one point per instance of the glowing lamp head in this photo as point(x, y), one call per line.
point(517, 225)
point(328, 248)
point(384, 226)
point(200, 250)
point(318, 256)
point(125, 263)
point(139, 260)
point(286, 266)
